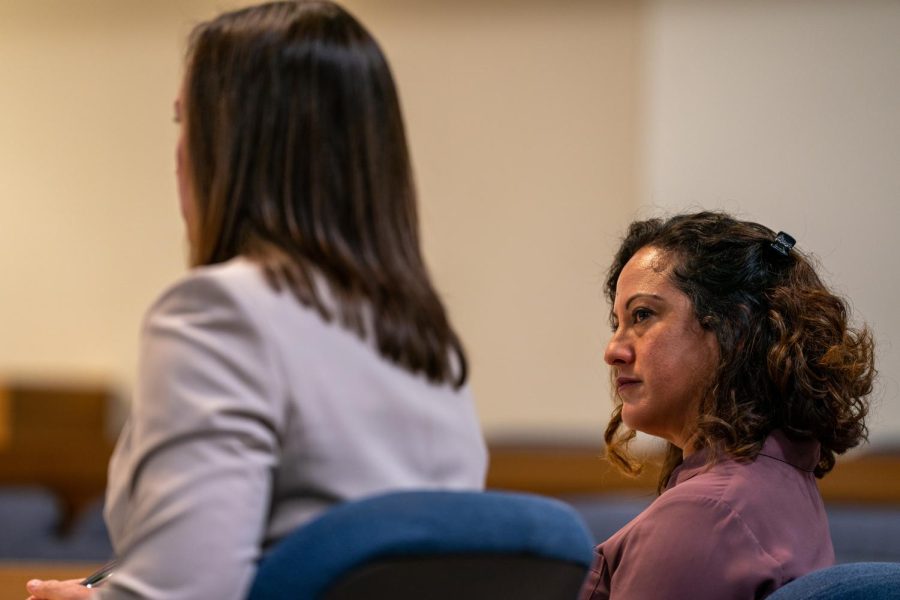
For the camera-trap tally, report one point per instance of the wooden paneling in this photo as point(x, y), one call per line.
point(560, 471)
point(56, 438)
point(873, 478)
point(5, 419)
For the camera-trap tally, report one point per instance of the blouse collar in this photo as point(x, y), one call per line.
point(800, 454)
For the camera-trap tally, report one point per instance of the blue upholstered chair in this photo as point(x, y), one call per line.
point(29, 518)
point(849, 581)
point(432, 545)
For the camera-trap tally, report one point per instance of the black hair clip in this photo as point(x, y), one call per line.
point(783, 243)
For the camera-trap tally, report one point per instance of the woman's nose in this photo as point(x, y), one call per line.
point(619, 351)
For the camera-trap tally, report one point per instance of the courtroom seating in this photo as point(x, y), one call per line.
point(432, 544)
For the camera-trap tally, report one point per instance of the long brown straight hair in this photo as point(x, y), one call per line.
point(299, 161)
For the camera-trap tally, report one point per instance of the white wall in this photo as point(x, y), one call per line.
point(787, 112)
point(522, 124)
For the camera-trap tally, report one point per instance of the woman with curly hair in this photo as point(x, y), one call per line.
point(728, 345)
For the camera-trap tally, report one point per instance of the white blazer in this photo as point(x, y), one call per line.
point(252, 415)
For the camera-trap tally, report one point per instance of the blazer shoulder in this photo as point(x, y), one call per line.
point(238, 283)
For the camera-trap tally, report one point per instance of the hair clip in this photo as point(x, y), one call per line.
point(783, 243)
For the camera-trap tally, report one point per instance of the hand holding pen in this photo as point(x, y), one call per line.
point(71, 589)
point(100, 575)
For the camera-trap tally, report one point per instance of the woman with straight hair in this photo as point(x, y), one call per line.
point(728, 345)
point(306, 359)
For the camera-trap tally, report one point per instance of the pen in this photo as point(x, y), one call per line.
point(100, 575)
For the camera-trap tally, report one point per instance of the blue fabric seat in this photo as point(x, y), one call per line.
point(31, 520)
point(849, 581)
point(29, 516)
point(865, 533)
point(459, 544)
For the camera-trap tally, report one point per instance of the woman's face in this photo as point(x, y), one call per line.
point(662, 359)
point(183, 171)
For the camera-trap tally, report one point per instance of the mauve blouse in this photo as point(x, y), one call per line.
point(731, 531)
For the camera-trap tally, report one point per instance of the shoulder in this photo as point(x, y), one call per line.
point(744, 486)
point(687, 540)
point(206, 351)
point(686, 515)
point(236, 292)
point(233, 282)
point(724, 498)
point(213, 319)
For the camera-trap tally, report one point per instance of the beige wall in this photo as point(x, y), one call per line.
point(522, 119)
point(89, 231)
point(538, 130)
point(786, 112)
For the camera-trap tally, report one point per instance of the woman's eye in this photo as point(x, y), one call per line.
point(641, 314)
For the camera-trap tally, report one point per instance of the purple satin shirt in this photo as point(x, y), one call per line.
point(731, 531)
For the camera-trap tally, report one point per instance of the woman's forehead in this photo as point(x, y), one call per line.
point(647, 274)
point(648, 265)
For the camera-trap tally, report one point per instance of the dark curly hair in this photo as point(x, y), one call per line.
point(789, 358)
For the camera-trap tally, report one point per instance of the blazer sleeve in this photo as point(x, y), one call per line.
point(203, 445)
point(691, 547)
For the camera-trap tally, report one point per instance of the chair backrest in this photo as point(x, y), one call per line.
point(432, 544)
point(849, 581)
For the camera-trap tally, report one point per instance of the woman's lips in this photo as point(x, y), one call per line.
point(624, 383)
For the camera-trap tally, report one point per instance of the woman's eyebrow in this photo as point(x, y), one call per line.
point(642, 295)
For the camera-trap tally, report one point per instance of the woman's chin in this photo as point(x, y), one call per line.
point(632, 419)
